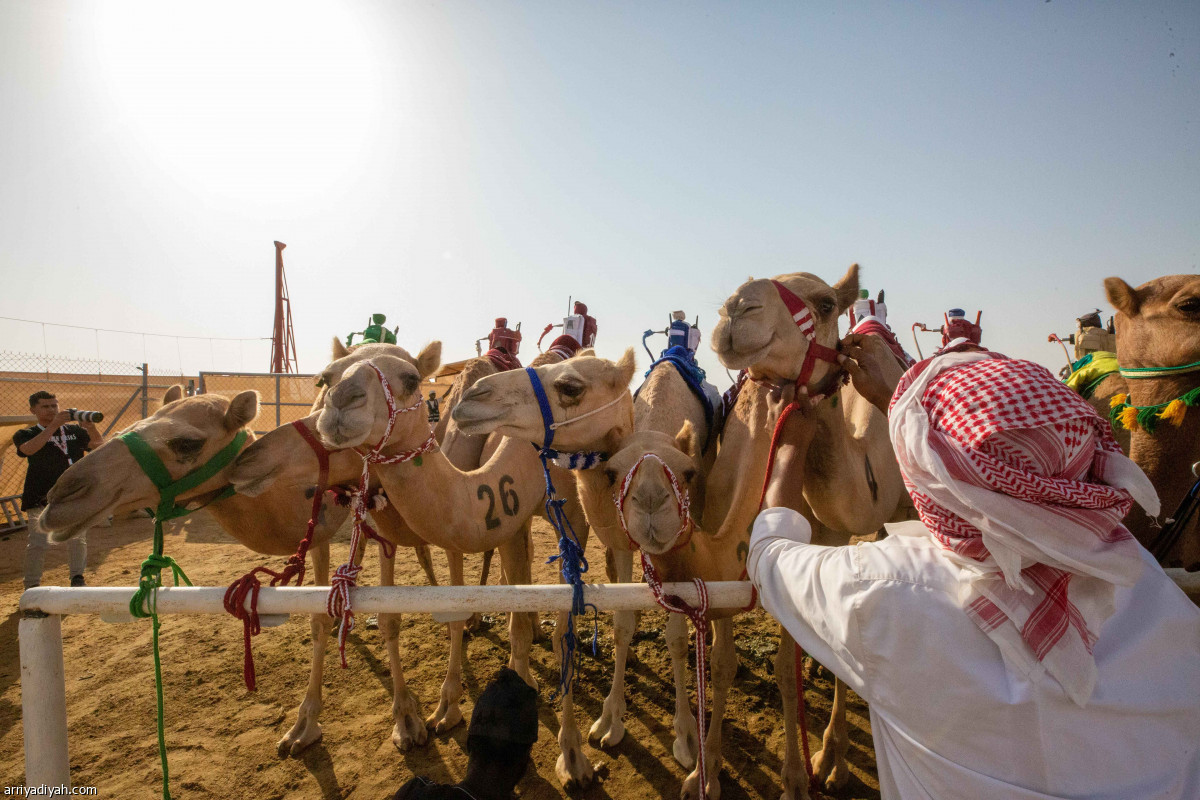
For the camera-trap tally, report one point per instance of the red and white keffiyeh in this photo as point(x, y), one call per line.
point(1023, 485)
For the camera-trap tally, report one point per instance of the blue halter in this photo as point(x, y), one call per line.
point(572, 563)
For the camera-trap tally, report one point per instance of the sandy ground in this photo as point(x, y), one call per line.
point(221, 737)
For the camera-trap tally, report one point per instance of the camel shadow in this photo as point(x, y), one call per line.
point(319, 763)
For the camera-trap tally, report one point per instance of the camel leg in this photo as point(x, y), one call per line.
point(687, 734)
point(449, 713)
point(426, 561)
point(794, 776)
point(307, 730)
point(830, 765)
point(609, 727)
point(487, 567)
point(724, 667)
point(515, 563)
point(408, 729)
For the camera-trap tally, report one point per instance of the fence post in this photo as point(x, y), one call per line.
point(44, 701)
point(145, 390)
point(278, 400)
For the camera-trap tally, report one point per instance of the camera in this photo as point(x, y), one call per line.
point(85, 416)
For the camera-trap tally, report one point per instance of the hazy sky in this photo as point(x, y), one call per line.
point(448, 162)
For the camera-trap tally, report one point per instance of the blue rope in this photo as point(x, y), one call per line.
point(572, 563)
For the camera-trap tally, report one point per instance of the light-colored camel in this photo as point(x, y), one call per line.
point(852, 480)
point(470, 511)
point(651, 515)
point(1158, 325)
point(110, 481)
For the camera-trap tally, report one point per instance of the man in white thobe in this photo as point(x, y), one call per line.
point(1016, 642)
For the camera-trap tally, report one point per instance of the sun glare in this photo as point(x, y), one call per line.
point(250, 102)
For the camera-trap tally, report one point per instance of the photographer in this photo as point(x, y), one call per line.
point(51, 446)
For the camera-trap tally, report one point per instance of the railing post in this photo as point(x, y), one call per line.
point(278, 400)
point(44, 701)
point(145, 390)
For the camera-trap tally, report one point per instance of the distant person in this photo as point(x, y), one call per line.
point(503, 730)
point(51, 446)
point(432, 405)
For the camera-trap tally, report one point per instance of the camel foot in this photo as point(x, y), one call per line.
point(572, 769)
point(831, 769)
point(795, 782)
point(523, 671)
point(305, 732)
point(609, 727)
point(691, 786)
point(687, 740)
point(446, 717)
point(409, 729)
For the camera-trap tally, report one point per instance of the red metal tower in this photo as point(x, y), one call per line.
point(283, 340)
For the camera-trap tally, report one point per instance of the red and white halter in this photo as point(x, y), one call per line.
point(803, 317)
point(338, 603)
point(682, 501)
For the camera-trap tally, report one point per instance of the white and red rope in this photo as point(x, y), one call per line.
point(345, 578)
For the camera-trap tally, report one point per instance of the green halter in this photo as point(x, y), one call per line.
point(1159, 372)
point(145, 600)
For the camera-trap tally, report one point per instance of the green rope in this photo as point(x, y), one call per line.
point(1159, 372)
point(144, 602)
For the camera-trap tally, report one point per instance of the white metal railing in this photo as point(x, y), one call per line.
point(43, 686)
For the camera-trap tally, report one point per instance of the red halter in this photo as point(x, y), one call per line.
point(803, 317)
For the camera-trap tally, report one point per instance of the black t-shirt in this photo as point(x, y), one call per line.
point(66, 446)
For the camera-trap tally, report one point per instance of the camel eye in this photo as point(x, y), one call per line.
point(185, 447)
point(568, 388)
point(826, 306)
point(689, 475)
point(1189, 306)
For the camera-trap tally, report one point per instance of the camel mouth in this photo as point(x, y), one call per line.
point(476, 418)
point(733, 358)
point(64, 520)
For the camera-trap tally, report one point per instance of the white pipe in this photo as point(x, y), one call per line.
point(44, 702)
point(113, 602)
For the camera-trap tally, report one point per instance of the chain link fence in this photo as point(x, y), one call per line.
point(124, 393)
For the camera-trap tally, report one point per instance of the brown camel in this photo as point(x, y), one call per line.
point(852, 481)
point(469, 511)
point(110, 481)
point(1158, 326)
point(507, 404)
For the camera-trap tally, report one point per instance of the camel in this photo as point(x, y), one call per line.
point(185, 433)
point(1158, 326)
point(651, 512)
point(852, 481)
point(471, 511)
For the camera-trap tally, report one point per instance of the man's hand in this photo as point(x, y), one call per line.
point(60, 419)
point(872, 366)
point(785, 486)
point(95, 438)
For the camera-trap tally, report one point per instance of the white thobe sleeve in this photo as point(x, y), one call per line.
point(811, 590)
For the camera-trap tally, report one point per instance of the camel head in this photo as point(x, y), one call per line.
point(1158, 323)
point(283, 458)
point(505, 403)
point(356, 411)
point(756, 331)
point(185, 433)
point(653, 518)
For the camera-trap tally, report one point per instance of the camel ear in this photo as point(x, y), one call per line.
point(585, 352)
point(1123, 296)
point(847, 289)
point(173, 394)
point(339, 349)
point(429, 359)
point(242, 410)
point(625, 368)
point(685, 440)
